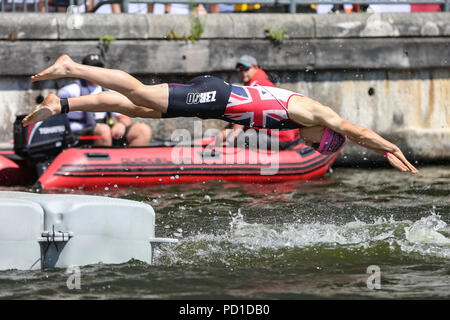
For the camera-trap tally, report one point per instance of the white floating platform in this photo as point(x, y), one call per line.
point(57, 230)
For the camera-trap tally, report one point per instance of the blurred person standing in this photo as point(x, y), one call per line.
point(221, 8)
point(169, 8)
point(116, 7)
point(58, 5)
point(424, 7)
point(246, 8)
point(17, 5)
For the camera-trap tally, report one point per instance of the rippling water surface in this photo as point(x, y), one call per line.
point(294, 240)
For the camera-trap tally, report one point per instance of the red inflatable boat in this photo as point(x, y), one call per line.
point(14, 170)
point(98, 168)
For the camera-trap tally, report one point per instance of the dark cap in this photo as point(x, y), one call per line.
point(93, 60)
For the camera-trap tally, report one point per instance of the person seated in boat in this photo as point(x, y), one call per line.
point(209, 97)
point(250, 74)
point(111, 128)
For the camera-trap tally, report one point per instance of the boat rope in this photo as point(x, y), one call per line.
point(53, 238)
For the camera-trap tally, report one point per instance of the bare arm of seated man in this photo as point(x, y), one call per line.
point(123, 119)
point(311, 113)
point(230, 135)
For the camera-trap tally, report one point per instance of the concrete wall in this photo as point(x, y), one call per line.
point(389, 72)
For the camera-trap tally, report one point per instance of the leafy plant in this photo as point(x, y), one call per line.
point(196, 31)
point(106, 40)
point(276, 36)
point(173, 35)
point(103, 44)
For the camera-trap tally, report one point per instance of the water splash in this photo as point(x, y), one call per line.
point(242, 238)
point(428, 230)
point(428, 236)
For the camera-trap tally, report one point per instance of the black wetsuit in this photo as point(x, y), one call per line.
point(209, 97)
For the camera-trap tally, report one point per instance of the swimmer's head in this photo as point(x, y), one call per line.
point(323, 139)
point(246, 68)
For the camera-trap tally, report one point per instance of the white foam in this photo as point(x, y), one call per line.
point(426, 231)
point(427, 237)
point(422, 236)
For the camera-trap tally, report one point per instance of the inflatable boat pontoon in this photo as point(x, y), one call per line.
point(98, 168)
point(54, 230)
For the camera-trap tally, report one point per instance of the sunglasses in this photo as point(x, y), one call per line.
point(242, 68)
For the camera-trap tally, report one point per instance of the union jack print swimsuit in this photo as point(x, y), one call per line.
point(210, 97)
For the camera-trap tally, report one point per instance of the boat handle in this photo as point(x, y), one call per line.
point(55, 236)
point(163, 240)
point(97, 155)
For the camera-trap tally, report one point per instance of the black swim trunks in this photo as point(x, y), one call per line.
point(205, 97)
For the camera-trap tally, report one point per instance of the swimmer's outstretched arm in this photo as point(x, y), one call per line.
point(155, 97)
point(107, 101)
point(366, 138)
point(371, 140)
point(314, 113)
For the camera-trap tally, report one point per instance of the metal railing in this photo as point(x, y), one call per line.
point(292, 3)
point(33, 5)
point(43, 5)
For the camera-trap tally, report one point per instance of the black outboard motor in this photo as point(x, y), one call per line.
point(43, 141)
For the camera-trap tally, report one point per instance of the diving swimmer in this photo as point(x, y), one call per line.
point(209, 97)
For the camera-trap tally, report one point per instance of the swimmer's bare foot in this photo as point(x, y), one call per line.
point(60, 69)
point(49, 107)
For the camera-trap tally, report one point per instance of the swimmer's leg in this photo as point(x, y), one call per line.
point(112, 102)
point(102, 102)
point(155, 97)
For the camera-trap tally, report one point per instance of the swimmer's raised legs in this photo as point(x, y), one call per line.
point(155, 97)
point(108, 100)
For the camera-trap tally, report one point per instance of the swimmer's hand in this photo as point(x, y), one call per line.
point(398, 161)
point(49, 107)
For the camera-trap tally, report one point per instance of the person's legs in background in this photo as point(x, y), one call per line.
point(140, 134)
point(104, 131)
